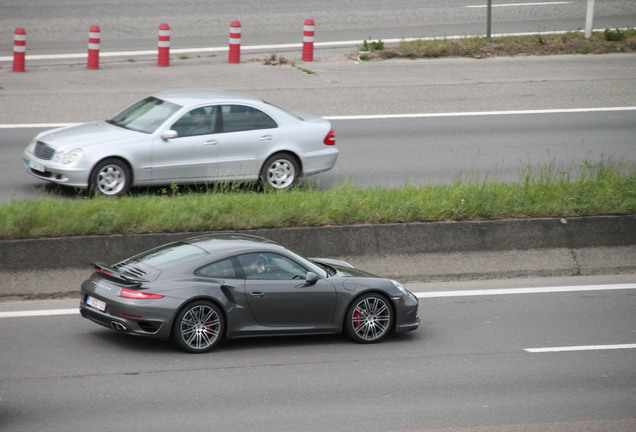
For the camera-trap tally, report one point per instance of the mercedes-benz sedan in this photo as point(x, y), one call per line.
point(185, 137)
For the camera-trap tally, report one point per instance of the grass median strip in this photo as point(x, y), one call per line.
point(603, 188)
point(546, 43)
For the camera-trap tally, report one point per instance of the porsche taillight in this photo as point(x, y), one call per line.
point(330, 139)
point(132, 294)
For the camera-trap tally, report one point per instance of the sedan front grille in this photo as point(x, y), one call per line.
point(44, 151)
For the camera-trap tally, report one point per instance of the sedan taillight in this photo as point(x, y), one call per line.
point(132, 294)
point(330, 139)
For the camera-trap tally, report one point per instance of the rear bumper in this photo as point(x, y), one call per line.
point(138, 327)
point(320, 162)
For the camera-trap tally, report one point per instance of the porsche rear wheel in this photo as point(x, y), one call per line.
point(369, 318)
point(199, 327)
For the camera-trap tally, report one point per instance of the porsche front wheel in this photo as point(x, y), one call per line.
point(369, 318)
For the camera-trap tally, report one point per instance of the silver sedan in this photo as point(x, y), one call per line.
point(185, 137)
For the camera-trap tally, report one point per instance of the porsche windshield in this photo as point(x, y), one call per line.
point(146, 115)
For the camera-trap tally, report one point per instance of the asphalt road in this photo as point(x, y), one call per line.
point(396, 152)
point(466, 367)
point(446, 140)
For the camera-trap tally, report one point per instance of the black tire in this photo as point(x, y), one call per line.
point(110, 177)
point(369, 319)
point(281, 171)
point(198, 327)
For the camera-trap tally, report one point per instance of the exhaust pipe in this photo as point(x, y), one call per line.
point(116, 325)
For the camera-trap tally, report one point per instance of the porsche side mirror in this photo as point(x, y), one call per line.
point(169, 134)
point(311, 278)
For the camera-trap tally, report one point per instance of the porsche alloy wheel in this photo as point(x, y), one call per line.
point(369, 318)
point(199, 327)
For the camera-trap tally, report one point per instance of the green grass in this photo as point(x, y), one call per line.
point(594, 189)
point(609, 41)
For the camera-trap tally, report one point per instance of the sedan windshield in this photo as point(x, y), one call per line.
point(146, 115)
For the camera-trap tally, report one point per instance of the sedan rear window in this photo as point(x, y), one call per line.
point(146, 115)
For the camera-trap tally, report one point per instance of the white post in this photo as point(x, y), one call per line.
point(589, 19)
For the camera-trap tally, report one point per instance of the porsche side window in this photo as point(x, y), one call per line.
point(238, 118)
point(199, 121)
point(219, 269)
point(271, 266)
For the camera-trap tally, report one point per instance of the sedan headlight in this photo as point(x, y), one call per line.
point(31, 147)
point(70, 157)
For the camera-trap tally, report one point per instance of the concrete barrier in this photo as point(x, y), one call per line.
point(415, 251)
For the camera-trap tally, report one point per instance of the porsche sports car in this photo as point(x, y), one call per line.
point(185, 137)
point(203, 290)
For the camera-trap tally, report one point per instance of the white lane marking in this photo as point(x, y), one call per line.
point(35, 125)
point(431, 294)
point(521, 4)
point(580, 348)
point(37, 313)
point(512, 291)
point(481, 113)
point(393, 116)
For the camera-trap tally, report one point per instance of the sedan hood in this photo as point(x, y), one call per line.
point(86, 135)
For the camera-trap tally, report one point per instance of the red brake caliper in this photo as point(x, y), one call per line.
point(356, 318)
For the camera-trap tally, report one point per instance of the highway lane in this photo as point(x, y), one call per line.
point(466, 367)
point(196, 23)
point(428, 150)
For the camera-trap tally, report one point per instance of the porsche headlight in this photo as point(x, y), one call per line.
point(399, 286)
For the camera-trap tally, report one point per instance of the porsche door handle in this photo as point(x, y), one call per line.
point(257, 294)
point(266, 138)
point(210, 143)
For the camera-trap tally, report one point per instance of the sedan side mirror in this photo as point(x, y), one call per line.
point(311, 278)
point(169, 134)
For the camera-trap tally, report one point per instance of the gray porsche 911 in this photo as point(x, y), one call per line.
point(203, 290)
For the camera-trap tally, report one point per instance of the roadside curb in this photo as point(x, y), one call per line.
point(414, 251)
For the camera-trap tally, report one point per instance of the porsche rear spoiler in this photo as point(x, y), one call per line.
point(116, 275)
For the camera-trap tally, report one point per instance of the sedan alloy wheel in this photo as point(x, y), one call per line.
point(111, 177)
point(280, 172)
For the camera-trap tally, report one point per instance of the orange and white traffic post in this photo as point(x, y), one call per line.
point(19, 50)
point(308, 40)
point(94, 40)
point(234, 55)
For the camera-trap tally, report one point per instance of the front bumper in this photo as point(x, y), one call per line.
point(408, 318)
point(55, 172)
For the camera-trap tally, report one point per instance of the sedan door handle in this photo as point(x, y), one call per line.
point(257, 294)
point(209, 143)
point(266, 138)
